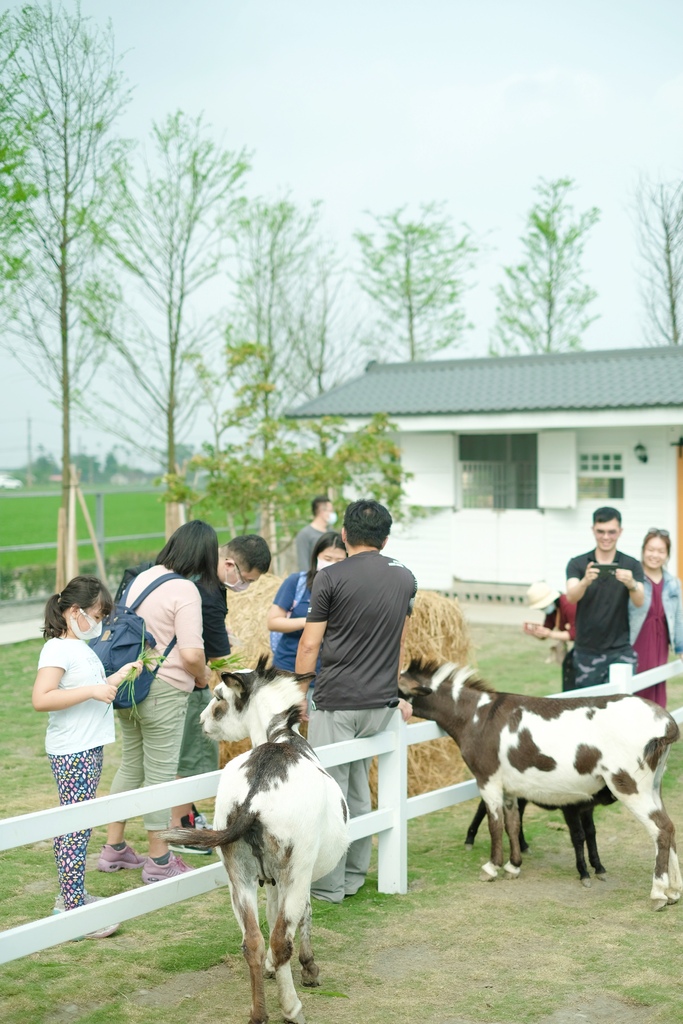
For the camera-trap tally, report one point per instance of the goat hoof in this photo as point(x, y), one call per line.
point(659, 904)
point(586, 883)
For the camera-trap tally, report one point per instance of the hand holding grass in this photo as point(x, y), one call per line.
point(126, 673)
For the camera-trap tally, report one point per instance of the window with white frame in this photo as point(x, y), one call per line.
point(601, 475)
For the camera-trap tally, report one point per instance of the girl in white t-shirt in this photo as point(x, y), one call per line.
point(72, 687)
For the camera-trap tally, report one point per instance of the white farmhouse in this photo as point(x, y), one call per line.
point(512, 455)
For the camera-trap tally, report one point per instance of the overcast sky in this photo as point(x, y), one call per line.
point(370, 104)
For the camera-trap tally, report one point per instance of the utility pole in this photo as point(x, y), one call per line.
point(29, 456)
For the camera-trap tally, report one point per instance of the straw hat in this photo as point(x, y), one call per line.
point(539, 595)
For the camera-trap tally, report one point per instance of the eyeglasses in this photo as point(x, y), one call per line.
point(656, 532)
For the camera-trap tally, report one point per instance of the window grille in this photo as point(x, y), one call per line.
point(498, 470)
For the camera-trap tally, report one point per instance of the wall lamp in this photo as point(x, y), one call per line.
point(640, 452)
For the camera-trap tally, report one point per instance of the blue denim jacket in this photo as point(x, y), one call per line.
point(673, 610)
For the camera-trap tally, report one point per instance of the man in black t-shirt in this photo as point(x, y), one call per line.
point(602, 597)
point(361, 607)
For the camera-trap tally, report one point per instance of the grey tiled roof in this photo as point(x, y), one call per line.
point(608, 379)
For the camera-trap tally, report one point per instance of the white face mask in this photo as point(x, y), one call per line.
point(331, 518)
point(322, 563)
point(550, 609)
point(87, 634)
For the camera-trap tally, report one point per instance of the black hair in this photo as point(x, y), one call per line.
point(250, 551)
point(606, 514)
point(331, 539)
point(84, 591)
point(192, 551)
point(320, 499)
point(367, 523)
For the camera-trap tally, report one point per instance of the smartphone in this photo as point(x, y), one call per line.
point(606, 568)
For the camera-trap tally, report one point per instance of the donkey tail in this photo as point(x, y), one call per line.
point(210, 838)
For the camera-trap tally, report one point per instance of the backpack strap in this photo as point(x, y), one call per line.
point(148, 590)
point(299, 592)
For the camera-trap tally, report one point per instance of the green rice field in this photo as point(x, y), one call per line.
point(32, 519)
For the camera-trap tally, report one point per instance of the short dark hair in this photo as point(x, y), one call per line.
point(192, 551)
point(367, 523)
point(606, 514)
point(85, 591)
point(331, 539)
point(320, 499)
point(250, 551)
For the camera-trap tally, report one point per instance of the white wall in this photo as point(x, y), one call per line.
point(520, 546)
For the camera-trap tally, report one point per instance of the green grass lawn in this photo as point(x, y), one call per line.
point(453, 950)
point(32, 519)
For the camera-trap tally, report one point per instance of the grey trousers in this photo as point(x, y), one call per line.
point(330, 727)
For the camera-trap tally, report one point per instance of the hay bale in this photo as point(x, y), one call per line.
point(247, 613)
point(437, 631)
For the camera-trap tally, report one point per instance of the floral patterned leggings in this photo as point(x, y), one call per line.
point(77, 777)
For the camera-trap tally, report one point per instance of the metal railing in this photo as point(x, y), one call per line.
point(389, 822)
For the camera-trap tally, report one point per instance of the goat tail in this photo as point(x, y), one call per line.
point(210, 838)
point(658, 746)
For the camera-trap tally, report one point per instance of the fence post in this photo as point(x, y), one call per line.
point(392, 791)
point(99, 523)
point(621, 676)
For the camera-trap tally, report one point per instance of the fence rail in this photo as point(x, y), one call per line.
point(388, 822)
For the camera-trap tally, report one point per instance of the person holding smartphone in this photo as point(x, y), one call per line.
point(602, 583)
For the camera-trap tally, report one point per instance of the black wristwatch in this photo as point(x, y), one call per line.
point(394, 702)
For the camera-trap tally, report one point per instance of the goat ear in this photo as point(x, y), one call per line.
point(236, 681)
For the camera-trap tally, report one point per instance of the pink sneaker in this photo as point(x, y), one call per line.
point(153, 872)
point(115, 860)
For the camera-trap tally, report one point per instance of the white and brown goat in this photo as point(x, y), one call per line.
point(280, 821)
point(554, 752)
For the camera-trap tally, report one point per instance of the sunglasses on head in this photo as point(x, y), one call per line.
point(655, 531)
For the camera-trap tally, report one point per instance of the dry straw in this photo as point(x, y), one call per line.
point(437, 631)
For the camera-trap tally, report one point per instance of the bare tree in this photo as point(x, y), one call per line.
point(71, 94)
point(170, 233)
point(659, 213)
point(271, 308)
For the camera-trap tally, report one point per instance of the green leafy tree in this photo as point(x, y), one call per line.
point(15, 191)
point(659, 211)
point(414, 271)
point(542, 306)
point(67, 90)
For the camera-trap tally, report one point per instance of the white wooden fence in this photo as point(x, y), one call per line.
point(389, 822)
